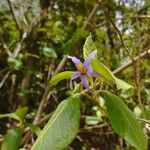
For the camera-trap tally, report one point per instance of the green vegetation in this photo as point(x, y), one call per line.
point(108, 107)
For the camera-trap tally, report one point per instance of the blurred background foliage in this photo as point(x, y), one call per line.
point(36, 36)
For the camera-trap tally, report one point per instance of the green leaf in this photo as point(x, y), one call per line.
point(12, 140)
point(101, 69)
point(14, 64)
point(62, 126)
point(11, 115)
point(124, 122)
point(49, 52)
point(60, 76)
point(88, 46)
point(122, 84)
point(21, 112)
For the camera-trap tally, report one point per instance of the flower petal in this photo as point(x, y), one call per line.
point(75, 60)
point(85, 82)
point(87, 60)
point(74, 76)
point(93, 73)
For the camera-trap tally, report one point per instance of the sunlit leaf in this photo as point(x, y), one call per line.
point(88, 47)
point(124, 122)
point(12, 140)
point(11, 115)
point(60, 76)
point(21, 112)
point(122, 84)
point(62, 126)
point(101, 69)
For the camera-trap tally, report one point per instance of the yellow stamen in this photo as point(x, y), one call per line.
point(81, 68)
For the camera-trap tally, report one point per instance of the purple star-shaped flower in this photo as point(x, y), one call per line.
point(83, 70)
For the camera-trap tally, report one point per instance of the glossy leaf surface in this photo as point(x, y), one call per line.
point(122, 84)
point(88, 47)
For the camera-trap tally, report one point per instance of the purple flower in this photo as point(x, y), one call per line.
point(83, 70)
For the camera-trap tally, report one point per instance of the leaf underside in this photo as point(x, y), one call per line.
point(62, 126)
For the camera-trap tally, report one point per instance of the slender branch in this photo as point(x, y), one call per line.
point(12, 89)
point(5, 45)
point(123, 18)
point(14, 55)
point(121, 39)
point(28, 135)
point(19, 45)
point(46, 96)
point(144, 120)
point(61, 64)
point(4, 79)
point(45, 118)
point(41, 106)
point(12, 12)
point(123, 67)
point(26, 34)
point(94, 126)
point(137, 78)
point(96, 6)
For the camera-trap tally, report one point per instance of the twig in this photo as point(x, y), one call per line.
point(5, 45)
point(19, 45)
point(61, 64)
point(123, 67)
point(26, 137)
point(46, 95)
point(137, 78)
point(96, 6)
point(4, 79)
point(80, 139)
point(121, 39)
point(12, 89)
point(26, 34)
point(12, 12)
point(45, 118)
point(123, 18)
point(40, 108)
point(144, 120)
point(95, 126)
